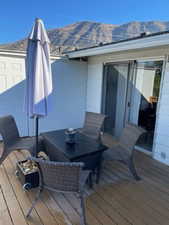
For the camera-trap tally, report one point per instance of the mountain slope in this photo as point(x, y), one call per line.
point(86, 34)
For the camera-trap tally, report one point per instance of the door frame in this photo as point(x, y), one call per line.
point(128, 96)
point(163, 59)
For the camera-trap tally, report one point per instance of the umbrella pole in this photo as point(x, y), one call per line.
point(37, 134)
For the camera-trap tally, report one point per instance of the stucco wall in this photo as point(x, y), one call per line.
point(68, 97)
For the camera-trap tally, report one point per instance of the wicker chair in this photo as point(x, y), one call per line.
point(92, 125)
point(64, 177)
point(123, 151)
point(11, 139)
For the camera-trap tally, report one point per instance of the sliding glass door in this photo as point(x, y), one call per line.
point(144, 99)
point(115, 83)
point(131, 94)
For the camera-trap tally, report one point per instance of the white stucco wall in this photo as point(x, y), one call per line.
point(68, 97)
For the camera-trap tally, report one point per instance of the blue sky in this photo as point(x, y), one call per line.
point(17, 16)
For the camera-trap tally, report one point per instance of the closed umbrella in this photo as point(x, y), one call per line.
point(38, 75)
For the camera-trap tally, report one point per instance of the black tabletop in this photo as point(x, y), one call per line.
point(83, 145)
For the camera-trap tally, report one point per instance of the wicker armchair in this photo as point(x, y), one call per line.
point(61, 177)
point(92, 125)
point(123, 151)
point(11, 139)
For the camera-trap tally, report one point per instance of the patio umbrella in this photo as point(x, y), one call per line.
point(38, 75)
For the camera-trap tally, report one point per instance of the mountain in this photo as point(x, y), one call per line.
point(86, 34)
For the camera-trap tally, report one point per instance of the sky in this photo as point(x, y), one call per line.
point(17, 16)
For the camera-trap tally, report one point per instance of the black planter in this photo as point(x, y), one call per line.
point(28, 180)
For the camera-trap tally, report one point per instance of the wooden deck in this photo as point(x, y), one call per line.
point(117, 200)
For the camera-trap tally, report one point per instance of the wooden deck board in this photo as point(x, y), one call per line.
point(117, 200)
point(5, 218)
point(13, 205)
point(21, 196)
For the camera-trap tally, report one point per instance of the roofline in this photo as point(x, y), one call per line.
point(140, 42)
point(21, 54)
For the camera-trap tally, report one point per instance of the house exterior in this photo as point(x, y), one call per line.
point(126, 80)
point(139, 63)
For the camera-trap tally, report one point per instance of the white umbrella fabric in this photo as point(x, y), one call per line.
point(38, 74)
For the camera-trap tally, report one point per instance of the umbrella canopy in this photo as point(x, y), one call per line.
point(38, 74)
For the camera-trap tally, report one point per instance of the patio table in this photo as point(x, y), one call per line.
point(84, 150)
